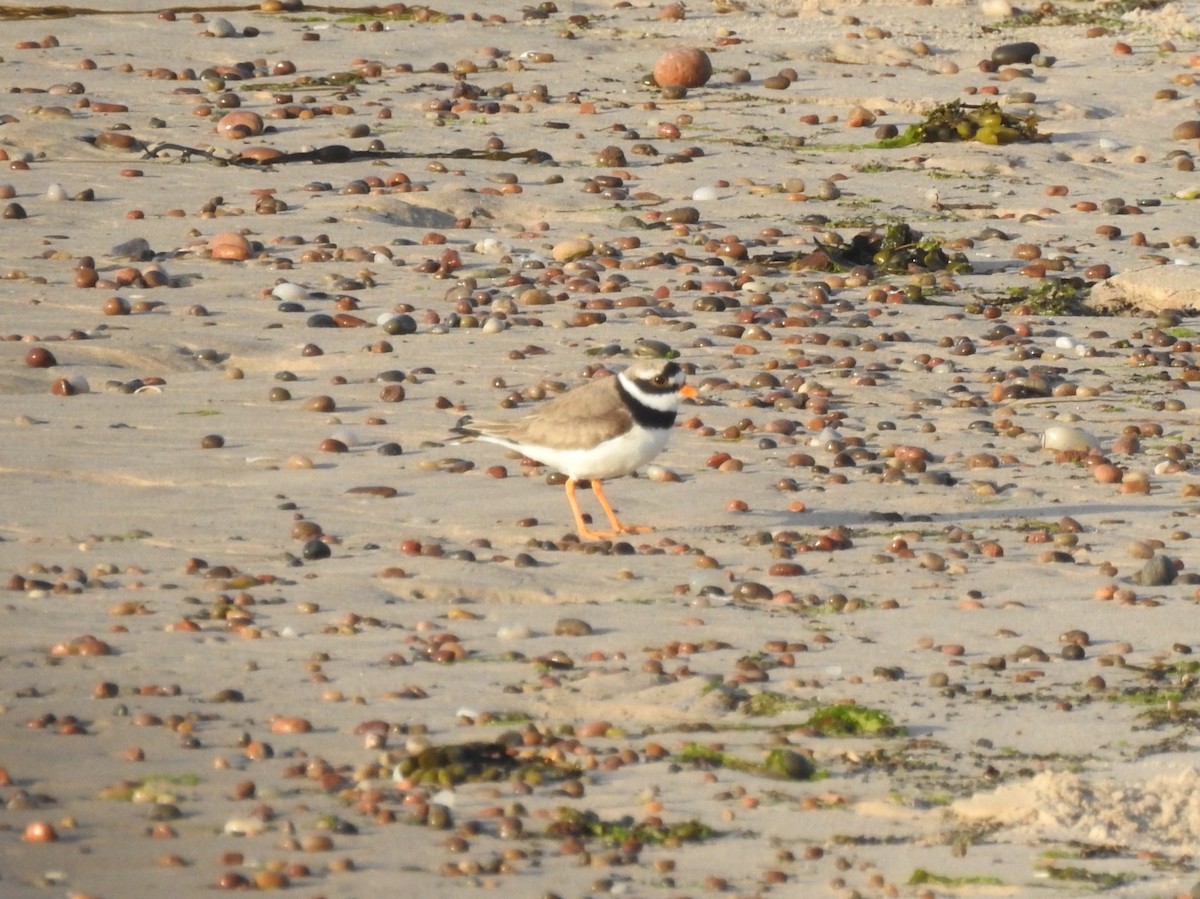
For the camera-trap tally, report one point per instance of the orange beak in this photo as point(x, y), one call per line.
point(688, 391)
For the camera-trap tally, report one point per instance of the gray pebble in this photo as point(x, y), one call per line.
point(220, 28)
point(1020, 51)
point(1157, 572)
point(137, 248)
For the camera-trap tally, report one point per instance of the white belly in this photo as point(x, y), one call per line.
point(612, 459)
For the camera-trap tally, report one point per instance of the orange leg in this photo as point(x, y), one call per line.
point(585, 532)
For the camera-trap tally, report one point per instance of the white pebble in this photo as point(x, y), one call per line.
point(1060, 437)
point(289, 292)
point(56, 192)
point(996, 9)
point(348, 437)
point(660, 474)
point(490, 246)
point(244, 827)
point(514, 632)
point(1066, 343)
point(701, 194)
point(826, 435)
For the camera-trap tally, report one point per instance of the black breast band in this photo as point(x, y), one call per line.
point(643, 414)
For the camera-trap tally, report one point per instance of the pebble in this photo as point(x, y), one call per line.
point(1157, 572)
point(572, 249)
point(683, 67)
point(572, 627)
point(1017, 52)
point(997, 9)
point(1189, 130)
point(136, 248)
point(40, 357)
point(1063, 438)
point(751, 590)
point(514, 632)
point(219, 27)
point(39, 832)
point(290, 292)
point(240, 124)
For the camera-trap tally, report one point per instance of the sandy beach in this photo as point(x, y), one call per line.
point(917, 616)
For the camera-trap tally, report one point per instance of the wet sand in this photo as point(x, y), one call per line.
point(924, 499)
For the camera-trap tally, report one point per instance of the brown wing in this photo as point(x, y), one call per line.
point(581, 417)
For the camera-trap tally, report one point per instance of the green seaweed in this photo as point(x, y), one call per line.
point(896, 249)
point(570, 822)
point(483, 762)
point(1103, 880)
point(768, 704)
point(852, 721)
point(780, 763)
point(1108, 15)
point(127, 790)
point(903, 249)
point(1077, 851)
point(922, 877)
point(333, 81)
point(957, 121)
point(1037, 524)
point(1052, 296)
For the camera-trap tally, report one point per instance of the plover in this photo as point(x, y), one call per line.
point(604, 429)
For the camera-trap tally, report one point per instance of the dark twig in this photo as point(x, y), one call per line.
point(337, 153)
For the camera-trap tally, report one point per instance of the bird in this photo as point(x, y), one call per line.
point(603, 429)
